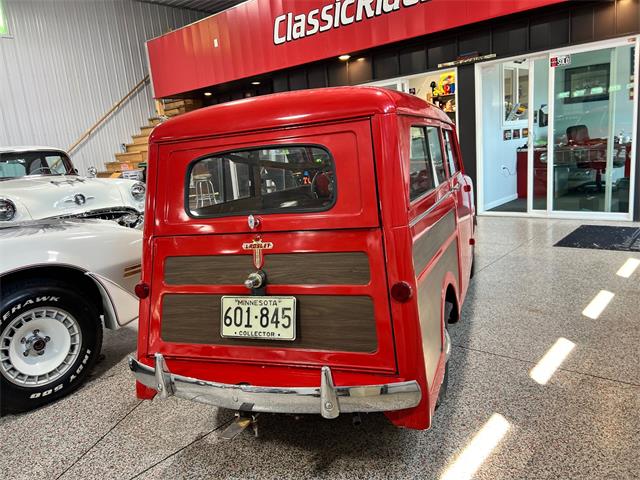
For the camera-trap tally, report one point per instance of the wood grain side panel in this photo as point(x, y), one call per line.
point(430, 307)
point(428, 244)
point(340, 268)
point(325, 322)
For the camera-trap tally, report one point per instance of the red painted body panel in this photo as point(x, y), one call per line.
point(186, 59)
point(341, 240)
point(365, 129)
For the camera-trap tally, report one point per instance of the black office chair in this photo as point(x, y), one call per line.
point(578, 134)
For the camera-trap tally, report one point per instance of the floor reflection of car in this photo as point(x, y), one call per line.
point(41, 182)
point(61, 281)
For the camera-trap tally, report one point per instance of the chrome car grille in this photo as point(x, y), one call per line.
point(105, 213)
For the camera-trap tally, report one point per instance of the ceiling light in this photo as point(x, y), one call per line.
point(598, 304)
point(255, 83)
point(344, 58)
point(207, 94)
point(361, 59)
point(551, 360)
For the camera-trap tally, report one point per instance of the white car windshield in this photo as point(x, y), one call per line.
point(22, 164)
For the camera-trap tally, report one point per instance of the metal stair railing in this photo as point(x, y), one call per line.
point(104, 117)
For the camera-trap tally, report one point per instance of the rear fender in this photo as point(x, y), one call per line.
point(120, 307)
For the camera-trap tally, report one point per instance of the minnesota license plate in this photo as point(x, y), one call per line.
point(265, 318)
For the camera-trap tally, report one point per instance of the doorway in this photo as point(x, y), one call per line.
point(556, 133)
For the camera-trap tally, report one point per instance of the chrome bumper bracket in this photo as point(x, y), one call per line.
point(164, 383)
point(326, 399)
point(329, 407)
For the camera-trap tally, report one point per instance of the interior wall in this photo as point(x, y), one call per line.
point(67, 62)
point(422, 84)
point(499, 155)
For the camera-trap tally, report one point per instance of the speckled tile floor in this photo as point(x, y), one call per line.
point(583, 424)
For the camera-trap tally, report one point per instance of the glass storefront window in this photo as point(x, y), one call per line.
point(515, 80)
point(593, 119)
point(559, 135)
point(523, 88)
point(508, 81)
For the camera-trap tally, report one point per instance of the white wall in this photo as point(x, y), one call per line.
point(68, 61)
point(499, 184)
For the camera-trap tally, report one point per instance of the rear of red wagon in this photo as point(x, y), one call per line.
point(294, 213)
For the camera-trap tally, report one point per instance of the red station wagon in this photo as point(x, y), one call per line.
point(304, 253)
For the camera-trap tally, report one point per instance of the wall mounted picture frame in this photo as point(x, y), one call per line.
point(587, 84)
point(507, 135)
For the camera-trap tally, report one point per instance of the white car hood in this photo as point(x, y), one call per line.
point(60, 195)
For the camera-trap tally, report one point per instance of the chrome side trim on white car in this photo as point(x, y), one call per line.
point(326, 399)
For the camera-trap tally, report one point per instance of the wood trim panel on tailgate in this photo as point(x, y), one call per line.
point(325, 322)
point(340, 268)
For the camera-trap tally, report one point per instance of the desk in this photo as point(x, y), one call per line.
point(583, 164)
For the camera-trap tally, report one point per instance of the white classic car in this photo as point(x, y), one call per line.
point(41, 182)
point(60, 281)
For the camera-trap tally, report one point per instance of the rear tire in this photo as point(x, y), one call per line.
point(50, 337)
point(448, 310)
point(473, 263)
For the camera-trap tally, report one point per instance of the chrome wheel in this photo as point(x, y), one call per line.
point(39, 346)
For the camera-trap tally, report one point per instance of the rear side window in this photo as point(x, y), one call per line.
point(420, 170)
point(271, 179)
point(435, 149)
point(452, 158)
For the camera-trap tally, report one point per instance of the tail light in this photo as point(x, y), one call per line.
point(401, 292)
point(142, 290)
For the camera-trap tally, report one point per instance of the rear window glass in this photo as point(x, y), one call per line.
point(273, 179)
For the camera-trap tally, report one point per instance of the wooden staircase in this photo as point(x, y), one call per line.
point(136, 151)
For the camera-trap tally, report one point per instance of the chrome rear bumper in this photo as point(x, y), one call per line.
point(326, 399)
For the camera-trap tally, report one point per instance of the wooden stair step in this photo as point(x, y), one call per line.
point(154, 121)
point(131, 157)
point(146, 130)
point(140, 139)
point(113, 167)
point(137, 147)
point(187, 102)
point(174, 111)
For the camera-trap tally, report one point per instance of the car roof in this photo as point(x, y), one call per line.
point(29, 148)
point(292, 108)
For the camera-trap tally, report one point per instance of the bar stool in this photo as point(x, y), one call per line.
point(205, 193)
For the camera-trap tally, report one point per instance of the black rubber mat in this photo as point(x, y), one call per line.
point(603, 237)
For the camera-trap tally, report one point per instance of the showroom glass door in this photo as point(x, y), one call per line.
point(592, 120)
point(538, 134)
